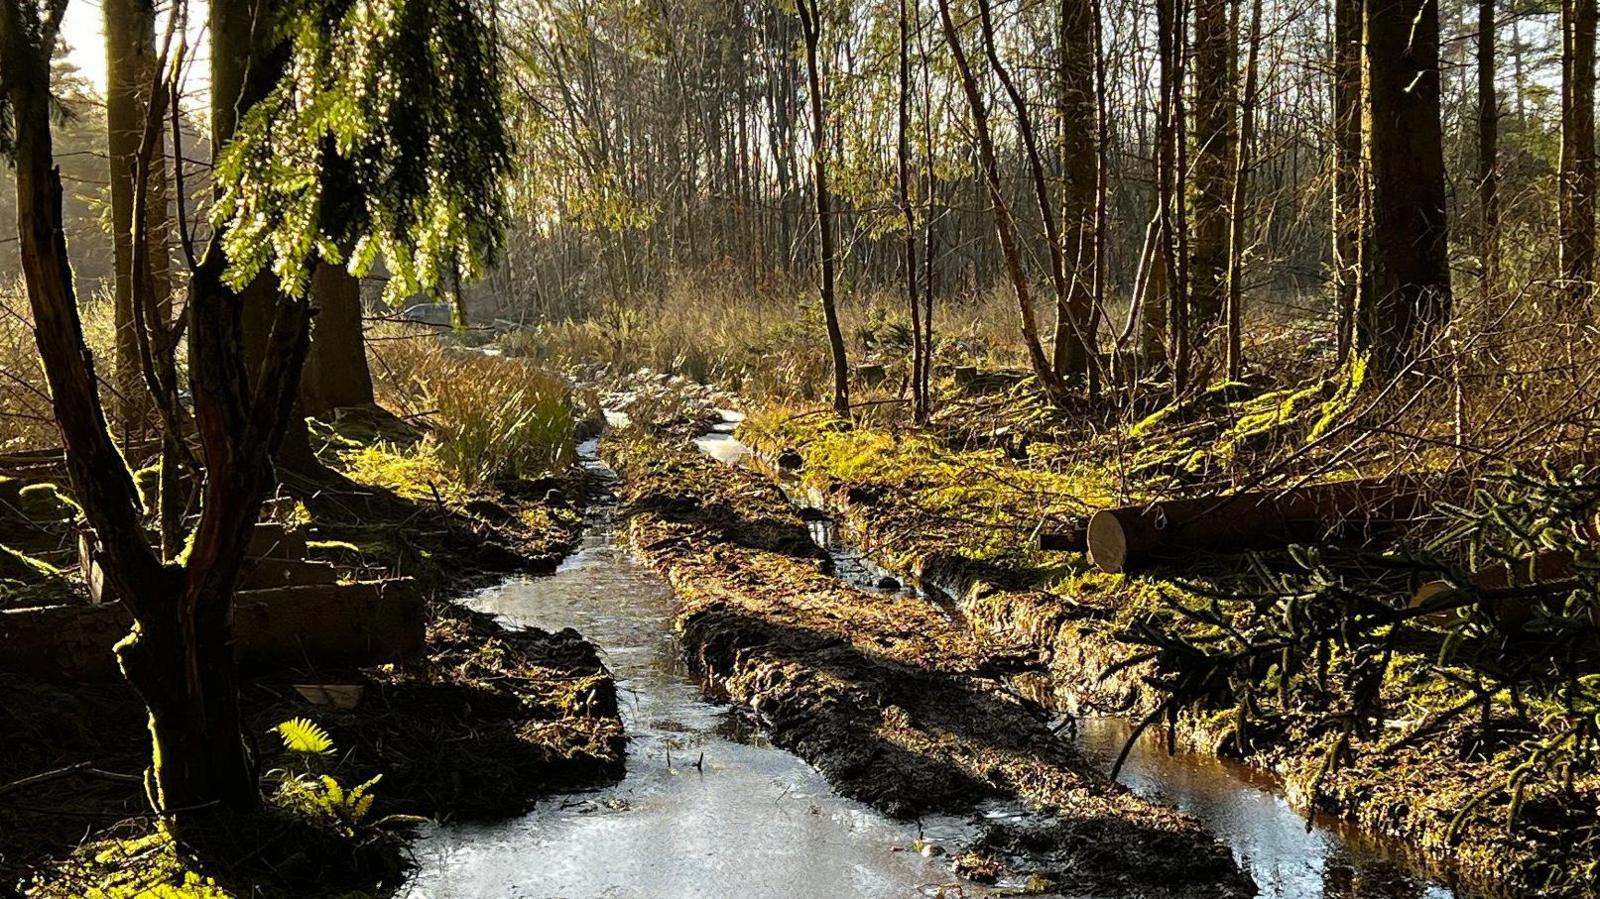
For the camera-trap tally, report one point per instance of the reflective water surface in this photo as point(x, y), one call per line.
point(707, 809)
point(1268, 837)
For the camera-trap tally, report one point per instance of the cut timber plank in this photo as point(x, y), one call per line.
point(292, 628)
point(265, 574)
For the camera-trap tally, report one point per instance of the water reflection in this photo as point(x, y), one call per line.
point(707, 808)
point(1242, 806)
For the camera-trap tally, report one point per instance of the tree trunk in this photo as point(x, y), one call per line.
point(811, 28)
point(1577, 184)
point(182, 668)
point(1005, 226)
point(1080, 169)
point(179, 657)
point(1349, 179)
point(1171, 230)
point(919, 356)
point(1409, 298)
point(1215, 80)
point(130, 71)
point(336, 369)
point(1488, 150)
point(1102, 191)
point(1071, 354)
point(1241, 184)
point(929, 239)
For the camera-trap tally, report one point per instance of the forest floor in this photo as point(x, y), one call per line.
point(961, 508)
point(893, 699)
point(487, 721)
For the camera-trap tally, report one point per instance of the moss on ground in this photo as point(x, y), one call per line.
point(895, 701)
point(965, 520)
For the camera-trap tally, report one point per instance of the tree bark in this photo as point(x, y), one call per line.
point(1488, 150)
point(1171, 231)
point(919, 356)
point(1349, 176)
point(336, 368)
point(130, 71)
point(811, 28)
point(1241, 184)
point(1081, 170)
point(1409, 298)
point(1071, 355)
point(1215, 90)
point(1577, 177)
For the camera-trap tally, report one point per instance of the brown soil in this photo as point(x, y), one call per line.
point(487, 722)
point(1412, 795)
point(892, 698)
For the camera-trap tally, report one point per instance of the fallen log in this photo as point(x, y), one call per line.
point(1130, 537)
point(1074, 538)
point(1510, 593)
point(284, 629)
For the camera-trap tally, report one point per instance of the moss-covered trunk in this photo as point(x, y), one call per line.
point(180, 661)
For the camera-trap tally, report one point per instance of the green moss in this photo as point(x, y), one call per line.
point(16, 566)
point(417, 473)
point(46, 502)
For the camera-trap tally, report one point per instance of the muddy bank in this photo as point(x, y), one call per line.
point(708, 807)
point(485, 722)
point(1050, 604)
point(891, 697)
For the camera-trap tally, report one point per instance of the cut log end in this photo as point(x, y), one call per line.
point(1108, 542)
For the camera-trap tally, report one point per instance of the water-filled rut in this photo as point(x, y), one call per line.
point(707, 807)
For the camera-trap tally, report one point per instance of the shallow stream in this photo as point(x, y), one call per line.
point(708, 809)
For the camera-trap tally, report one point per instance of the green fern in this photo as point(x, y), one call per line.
point(304, 736)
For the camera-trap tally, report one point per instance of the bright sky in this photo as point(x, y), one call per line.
point(82, 29)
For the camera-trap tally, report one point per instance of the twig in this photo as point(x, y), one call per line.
point(86, 769)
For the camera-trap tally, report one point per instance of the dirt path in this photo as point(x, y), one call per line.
point(891, 698)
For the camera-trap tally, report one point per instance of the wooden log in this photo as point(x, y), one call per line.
point(269, 542)
point(1511, 593)
point(288, 629)
point(1130, 537)
point(1069, 539)
point(339, 626)
point(266, 574)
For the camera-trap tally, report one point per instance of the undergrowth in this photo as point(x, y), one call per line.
point(490, 418)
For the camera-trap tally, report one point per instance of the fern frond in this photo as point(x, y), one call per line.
point(304, 736)
point(335, 792)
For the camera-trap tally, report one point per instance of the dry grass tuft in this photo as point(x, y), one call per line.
point(494, 418)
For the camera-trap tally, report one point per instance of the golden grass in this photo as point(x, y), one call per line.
point(493, 418)
point(770, 344)
point(27, 420)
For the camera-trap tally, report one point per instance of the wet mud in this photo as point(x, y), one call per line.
point(891, 697)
